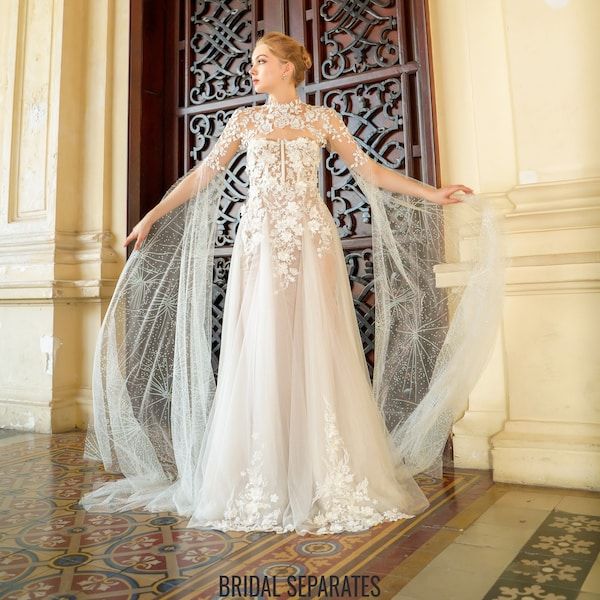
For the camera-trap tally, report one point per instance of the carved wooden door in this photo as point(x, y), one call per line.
point(370, 63)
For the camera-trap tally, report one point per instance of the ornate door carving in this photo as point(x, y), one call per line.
point(370, 63)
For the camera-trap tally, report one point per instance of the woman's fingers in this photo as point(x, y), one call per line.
point(139, 241)
point(139, 233)
point(130, 237)
point(138, 236)
point(461, 188)
point(445, 194)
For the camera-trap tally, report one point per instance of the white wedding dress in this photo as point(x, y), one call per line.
point(292, 437)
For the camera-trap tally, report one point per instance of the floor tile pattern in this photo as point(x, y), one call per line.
point(554, 562)
point(51, 548)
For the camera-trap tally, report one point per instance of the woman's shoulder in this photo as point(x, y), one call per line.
point(320, 109)
point(240, 117)
point(258, 108)
point(243, 111)
point(247, 115)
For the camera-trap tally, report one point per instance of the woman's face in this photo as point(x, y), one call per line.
point(267, 71)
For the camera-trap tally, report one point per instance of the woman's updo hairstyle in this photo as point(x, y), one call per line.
point(287, 48)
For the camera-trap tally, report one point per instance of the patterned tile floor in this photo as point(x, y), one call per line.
point(478, 540)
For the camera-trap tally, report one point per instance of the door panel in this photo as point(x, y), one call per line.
point(371, 64)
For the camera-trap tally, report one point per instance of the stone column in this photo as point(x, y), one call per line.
point(516, 97)
point(63, 147)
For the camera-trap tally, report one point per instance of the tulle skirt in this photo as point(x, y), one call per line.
point(295, 439)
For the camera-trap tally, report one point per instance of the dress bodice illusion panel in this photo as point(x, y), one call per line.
point(293, 436)
point(284, 192)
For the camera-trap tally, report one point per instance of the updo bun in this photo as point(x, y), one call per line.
point(306, 59)
point(287, 48)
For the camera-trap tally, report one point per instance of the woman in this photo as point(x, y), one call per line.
point(293, 437)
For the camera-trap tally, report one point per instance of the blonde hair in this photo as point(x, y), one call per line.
point(287, 48)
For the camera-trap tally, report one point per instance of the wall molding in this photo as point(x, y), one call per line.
point(59, 246)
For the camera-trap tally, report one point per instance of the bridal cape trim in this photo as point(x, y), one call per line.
point(153, 384)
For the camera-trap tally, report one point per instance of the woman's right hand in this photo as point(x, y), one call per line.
point(140, 232)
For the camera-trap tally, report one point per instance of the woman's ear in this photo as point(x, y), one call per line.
point(291, 71)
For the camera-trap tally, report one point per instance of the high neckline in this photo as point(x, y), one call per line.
point(292, 104)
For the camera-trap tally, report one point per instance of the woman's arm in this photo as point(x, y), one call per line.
point(396, 182)
point(196, 180)
point(341, 141)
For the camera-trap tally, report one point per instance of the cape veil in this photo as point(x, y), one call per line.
point(153, 383)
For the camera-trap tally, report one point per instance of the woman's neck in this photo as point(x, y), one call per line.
point(283, 98)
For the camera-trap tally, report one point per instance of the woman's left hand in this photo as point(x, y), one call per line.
point(443, 195)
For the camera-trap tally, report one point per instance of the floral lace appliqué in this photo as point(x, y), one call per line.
point(285, 203)
point(254, 507)
point(345, 504)
point(341, 140)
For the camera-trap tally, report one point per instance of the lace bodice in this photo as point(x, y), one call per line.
point(285, 121)
point(284, 198)
point(282, 166)
point(283, 147)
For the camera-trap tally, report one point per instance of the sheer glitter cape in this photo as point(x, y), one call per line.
point(153, 384)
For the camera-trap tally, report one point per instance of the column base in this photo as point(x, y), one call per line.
point(563, 455)
point(471, 438)
point(41, 414)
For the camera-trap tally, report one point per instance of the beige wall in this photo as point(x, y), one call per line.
point(63, 149)
point(516, 94)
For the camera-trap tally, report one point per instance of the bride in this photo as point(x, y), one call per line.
point(293, 436)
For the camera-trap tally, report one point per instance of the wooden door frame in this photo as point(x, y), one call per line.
point(150, 52)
